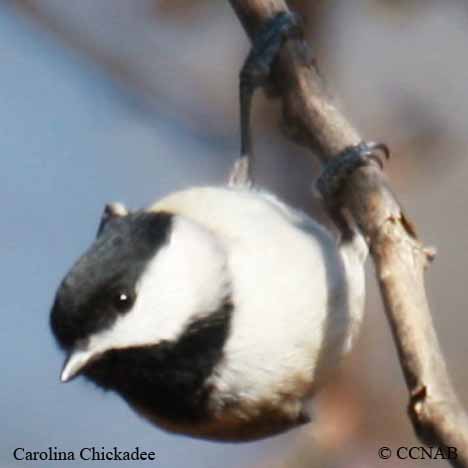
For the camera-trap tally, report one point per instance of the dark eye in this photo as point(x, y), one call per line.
point(123, 300)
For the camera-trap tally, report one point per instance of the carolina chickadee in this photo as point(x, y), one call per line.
point(218, 311)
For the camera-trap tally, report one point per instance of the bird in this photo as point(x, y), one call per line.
point(217, 312)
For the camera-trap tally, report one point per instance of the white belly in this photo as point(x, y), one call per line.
point(298, 298)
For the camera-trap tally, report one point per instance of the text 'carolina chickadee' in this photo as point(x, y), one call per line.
point(218, 311)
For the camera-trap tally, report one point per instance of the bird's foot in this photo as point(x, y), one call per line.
point(265, 48)
point(336, 172)
point(256, 72)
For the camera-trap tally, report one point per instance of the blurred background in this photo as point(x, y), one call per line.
point(127, 100)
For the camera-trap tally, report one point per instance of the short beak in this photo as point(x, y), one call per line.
point(75, 363)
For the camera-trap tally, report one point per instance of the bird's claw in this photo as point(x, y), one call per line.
point(266, 45)
point(352, 158)
point(371, 150)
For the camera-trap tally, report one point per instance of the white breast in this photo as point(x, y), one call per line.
point(298, 298)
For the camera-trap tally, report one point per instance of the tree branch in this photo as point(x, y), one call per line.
point(399, 258)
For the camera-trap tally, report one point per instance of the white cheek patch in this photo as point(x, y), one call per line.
point(186, 279)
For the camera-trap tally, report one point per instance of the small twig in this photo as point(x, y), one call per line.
point(399, 257)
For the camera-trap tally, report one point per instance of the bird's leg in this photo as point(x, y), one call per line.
point(333, 177)
point(256, 73)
